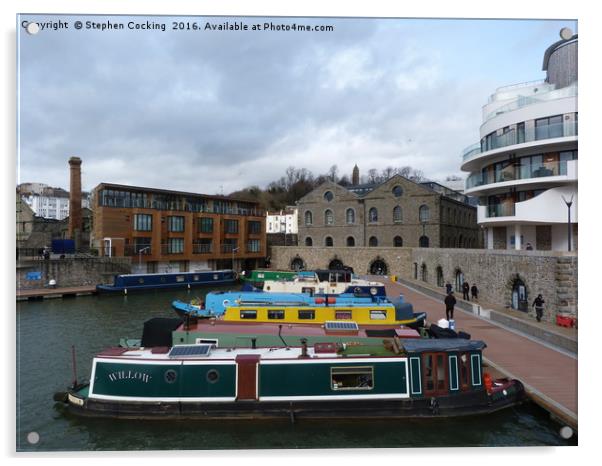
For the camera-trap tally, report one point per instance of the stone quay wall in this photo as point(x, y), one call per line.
point(72, 271)
point(495, 272)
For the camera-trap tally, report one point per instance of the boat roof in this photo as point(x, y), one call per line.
point(269, 328)
point(156, 274)
point(443, 344)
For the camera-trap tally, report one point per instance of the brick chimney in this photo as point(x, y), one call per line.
point(75, 201)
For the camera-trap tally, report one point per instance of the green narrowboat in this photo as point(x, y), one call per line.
point(398, 378)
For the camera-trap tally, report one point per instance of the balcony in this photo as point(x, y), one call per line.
point(500, 210)
point(513, 137)
point(202, 248)
point(517, 172)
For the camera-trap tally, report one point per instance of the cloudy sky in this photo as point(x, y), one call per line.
point(212, 111)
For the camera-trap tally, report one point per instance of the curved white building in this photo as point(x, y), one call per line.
point(524, 169)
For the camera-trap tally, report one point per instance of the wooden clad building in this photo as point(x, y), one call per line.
point(177, 231)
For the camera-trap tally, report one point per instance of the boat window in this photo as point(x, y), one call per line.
point(428, 373)
point(307, 315)
point(378, 315)
point(248, 314)
point(141, 280)
point(464, 370)
point(196, 278)
point(212, 376)
point(342, 315)
point(352, 378)
point(276, 314)
point(440, 372)
point(308, 289)
point(180, 278)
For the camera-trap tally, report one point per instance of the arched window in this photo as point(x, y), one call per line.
point(328, 242)
point(398, 242)
point(373, 215)
point(328, 196)
point(350, 216)
point(424, 213)
point(424, 273)
point(373, 242)
point(328, 217)
point(350, 241)
point(459, 280)
point(423, 242)
point(397, 214)
point(309, 241)
point(308, 217)
point(440, 281)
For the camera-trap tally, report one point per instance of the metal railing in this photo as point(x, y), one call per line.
point(538, 133)
point(500, 210)
point(202, 248)
point(518, 172)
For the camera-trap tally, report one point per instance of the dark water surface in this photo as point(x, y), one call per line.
point(46, 330)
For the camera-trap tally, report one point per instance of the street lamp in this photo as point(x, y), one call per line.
point(569, 203)
point(147, 248)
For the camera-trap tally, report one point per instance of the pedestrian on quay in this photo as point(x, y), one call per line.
point(538, 305)
point(474, 291)
point(465, 290)
point(448, 288)
point(529, 247)
point(450, 302)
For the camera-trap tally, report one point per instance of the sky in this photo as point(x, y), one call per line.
point(216, 111)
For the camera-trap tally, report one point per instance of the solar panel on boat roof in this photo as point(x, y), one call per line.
point(189, 351)
point(340, 325)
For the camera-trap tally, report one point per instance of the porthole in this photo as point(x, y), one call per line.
point(170, 376)
point(212, 376)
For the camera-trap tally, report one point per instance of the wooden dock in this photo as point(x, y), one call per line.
point(43, 293)
point(549, 374)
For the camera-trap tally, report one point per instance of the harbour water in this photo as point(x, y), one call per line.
point(47, 329)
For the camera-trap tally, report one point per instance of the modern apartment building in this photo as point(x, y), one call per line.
point(524, 169)
point(177, 231)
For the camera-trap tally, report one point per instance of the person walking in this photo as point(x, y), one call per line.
point(465, 290)
point(538, 305)
point(474, 291)
point(450, 302)
point(448, 288)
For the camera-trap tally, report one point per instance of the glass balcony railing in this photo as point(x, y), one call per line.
point(534, 133)
point(500, 210)
point(519, 171)
point(202, 248)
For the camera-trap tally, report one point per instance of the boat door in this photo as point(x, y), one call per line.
point(246, 376)
point(434, 368)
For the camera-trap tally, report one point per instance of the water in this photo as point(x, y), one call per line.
point(47, 329)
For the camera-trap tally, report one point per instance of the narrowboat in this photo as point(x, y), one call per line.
point(257, 277)
point(320, 283)
point(153, 281)
point(301, 308)
point(161, 331)
point(398, 378)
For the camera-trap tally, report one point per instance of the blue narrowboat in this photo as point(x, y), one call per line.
point(159, 281)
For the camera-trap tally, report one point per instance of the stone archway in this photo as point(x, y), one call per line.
point(336, 264)
point(517, 293)
point(297, 264)
point(378, 267)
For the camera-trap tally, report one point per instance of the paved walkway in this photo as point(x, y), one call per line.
point(547, 374)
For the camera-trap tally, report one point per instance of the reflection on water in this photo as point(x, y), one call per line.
point(47, 329)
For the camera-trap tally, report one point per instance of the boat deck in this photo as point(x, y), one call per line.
point(549, 374)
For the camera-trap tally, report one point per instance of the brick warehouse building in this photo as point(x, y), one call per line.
point(398, 212)
point(177, 231)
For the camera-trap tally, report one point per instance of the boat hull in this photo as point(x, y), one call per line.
point(468, 404)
